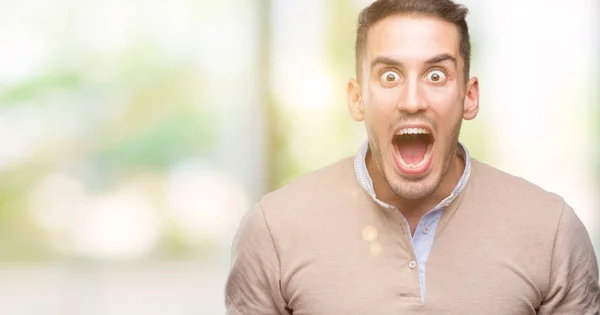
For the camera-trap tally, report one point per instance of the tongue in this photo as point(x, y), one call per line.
point(412, 149)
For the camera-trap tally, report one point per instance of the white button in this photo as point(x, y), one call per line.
point(426, 230)
point(412, 264)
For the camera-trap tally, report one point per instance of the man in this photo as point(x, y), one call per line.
point(412, 224)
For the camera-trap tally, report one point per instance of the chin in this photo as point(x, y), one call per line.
point(414, 188)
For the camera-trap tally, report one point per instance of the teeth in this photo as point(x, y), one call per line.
point(412, 131)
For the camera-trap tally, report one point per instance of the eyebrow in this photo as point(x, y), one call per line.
point(441, 58)
point(393, 62)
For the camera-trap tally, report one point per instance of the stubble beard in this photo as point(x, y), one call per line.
point(409, 189)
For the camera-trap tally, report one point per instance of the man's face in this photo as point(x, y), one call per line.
point(413, 97)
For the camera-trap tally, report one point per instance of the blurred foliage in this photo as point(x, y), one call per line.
point(39, 87)
point(20, 238)
point(141, 115)
point(340, 60)
point(285, 166)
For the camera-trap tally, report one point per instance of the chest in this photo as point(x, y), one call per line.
point(378, 276)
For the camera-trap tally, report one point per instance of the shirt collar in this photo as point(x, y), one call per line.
point(365, 181)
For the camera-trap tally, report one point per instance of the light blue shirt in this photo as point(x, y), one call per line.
point(422, 240)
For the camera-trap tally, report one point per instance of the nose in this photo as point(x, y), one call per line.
point(412, 98)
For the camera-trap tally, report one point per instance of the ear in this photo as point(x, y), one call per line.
point(355, 101)
point(471, 101)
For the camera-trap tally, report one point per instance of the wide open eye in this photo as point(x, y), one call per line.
point(436, 76)
point(390, 77)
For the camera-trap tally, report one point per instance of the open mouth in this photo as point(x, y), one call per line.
point(413, 147)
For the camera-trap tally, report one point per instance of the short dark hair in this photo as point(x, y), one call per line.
point(446, 10)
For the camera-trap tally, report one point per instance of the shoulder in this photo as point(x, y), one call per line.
point(498, 185)
point(521, 205)
point(312, 200)
point(314, 187)
point(546, 227)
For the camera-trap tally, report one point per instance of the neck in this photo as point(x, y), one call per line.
point(416, 208)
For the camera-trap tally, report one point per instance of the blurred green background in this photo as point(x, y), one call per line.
point(135, 134)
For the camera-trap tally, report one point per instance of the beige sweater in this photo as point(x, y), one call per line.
point(321, 246)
